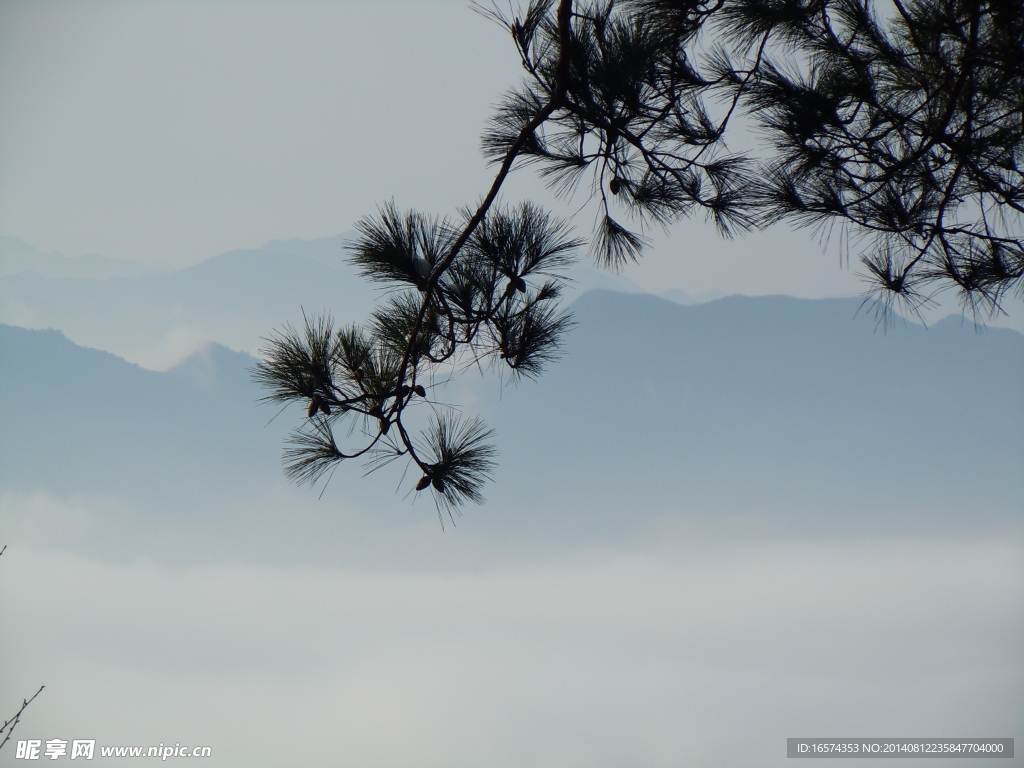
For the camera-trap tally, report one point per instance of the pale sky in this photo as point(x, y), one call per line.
point(170, 131)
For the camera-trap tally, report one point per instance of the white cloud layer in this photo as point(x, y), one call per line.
point(685, 653)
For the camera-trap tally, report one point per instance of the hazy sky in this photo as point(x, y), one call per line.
point(171, 131)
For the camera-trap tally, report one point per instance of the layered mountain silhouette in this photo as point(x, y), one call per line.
point(760, 411)
point(235, 299)
point(158, 320)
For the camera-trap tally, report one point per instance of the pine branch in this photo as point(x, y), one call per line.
point(906, 131)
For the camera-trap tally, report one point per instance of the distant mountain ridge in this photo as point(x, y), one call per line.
point(18, 257)
point(236, 299)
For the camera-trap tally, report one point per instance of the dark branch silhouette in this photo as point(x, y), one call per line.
point(904, 130)
point(8, 727)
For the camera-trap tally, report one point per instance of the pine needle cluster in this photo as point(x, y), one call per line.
point(904, 129)
point(494, 304)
